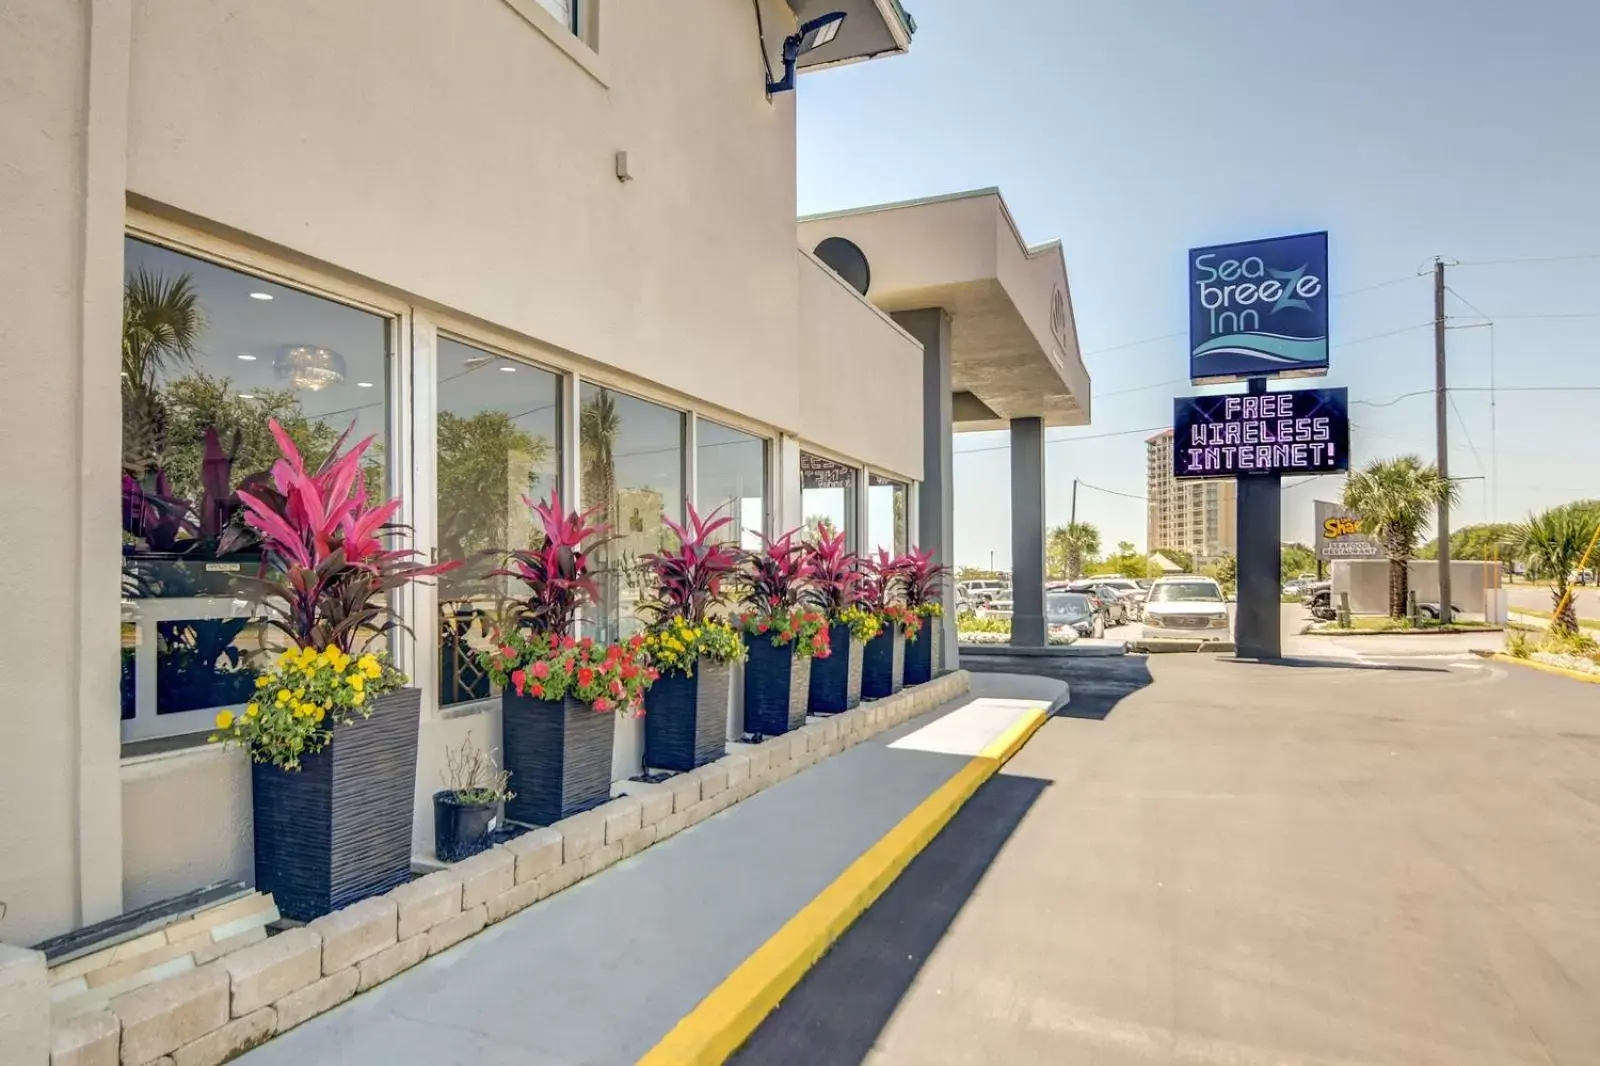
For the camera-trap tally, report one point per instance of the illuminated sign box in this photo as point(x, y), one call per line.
point(1306, 431)
point(1259, 309)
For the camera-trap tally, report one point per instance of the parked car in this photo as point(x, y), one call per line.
point(993, 608)
point(983, 591)
point(1430, 611)
point(1309, 593)
point(1186, 608)
point(1075, 611)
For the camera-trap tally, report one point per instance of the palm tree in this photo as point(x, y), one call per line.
point(1394, 499)
point(1555, 544)
point(1070, 545)
point(161, 323)
point(599, 425)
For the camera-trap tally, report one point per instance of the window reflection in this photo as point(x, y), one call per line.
point(886, 514)
point(828, 496)
point(631, 467)
point(731, 480)
point(498, 439)
point(209, 356)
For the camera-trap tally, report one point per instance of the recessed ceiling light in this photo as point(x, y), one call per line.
point(246, 396)
point(247, 357)
point(363, 384)
point(261, 296)
point(508, 369)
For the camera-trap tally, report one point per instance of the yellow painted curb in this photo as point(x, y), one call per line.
point(1559, 671)
point(722, 1021)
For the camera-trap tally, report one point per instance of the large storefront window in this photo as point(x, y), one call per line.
point(731, 480)
point(828, 496)
point(209, 356)
point(498, 440)
point(631, 467)
point(886, 514)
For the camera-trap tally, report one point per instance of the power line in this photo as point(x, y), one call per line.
point(1112, 492)
point(1063, 440)
point(1531, 259)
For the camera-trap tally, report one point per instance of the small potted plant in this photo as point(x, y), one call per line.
point(838, 589)
point(558, 694)
point(883, 657)
point(783, 634)
point(468, 811)
point(686, 708)
point(332, 730)
point(923, 589)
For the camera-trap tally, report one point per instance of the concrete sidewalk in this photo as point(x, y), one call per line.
point(599, 973)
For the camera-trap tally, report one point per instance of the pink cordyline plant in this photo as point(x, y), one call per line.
point(325, 555)
point(924, 580)
point(557, 571)
point(837, 581)
point(689, 577)
point(884, 580)
point(778, 577)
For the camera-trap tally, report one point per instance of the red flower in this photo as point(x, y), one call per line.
point(518, 677)
point(585, 677)
point(636, 640)
point(572, 665)
point(588, 642)
point(762, 628)
point(629, 672)
point(616, 688)
point(602, 704)
point(538, 690)
point(507, 652)
point(541, 669)
point(567, 642)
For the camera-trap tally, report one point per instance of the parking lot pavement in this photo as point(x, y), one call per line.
point(1203, 860)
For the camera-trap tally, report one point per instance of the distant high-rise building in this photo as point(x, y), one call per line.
point(1196, 517)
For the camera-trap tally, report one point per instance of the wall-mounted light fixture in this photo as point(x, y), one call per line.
point(812, 35)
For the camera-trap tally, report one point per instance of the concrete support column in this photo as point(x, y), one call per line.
point(1027, 532)
point(24, 1008)
point(936, 529)
point(1256, 623)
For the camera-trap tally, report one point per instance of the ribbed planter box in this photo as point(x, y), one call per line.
point(836, 680)
point(339, 830)
point(777, 687)
point(883, 663)
point(922, 654)
point(686, 718)
point(559, 756)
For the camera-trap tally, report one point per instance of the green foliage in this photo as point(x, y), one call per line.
point(1225, 572)
point(1180, 557)
point(1484, 541)
point(975, 573)
point(1518, 646)
point(1394, 499)
point(486, 465)
point(1297, 559)
point(1126, 561)
point(198, 401)
point(1069, 548)
point(161, 324)
point(1555, 543)
point(974, 624)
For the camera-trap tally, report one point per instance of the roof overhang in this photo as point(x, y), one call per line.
point(871, 28)
point(1013, 338)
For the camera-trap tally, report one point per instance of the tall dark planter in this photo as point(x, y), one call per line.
point(339, 830)
point(777, 687)
point(922, 654)
point(836, 680)
point(686, 718)
point(883, 664)
point(559, 756)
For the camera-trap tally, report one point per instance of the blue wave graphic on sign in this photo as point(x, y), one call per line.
point(1269, 347)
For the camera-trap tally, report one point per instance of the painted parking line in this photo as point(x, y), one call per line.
point(722, 1021)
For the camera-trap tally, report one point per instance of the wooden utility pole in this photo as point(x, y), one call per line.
point(1441, 428)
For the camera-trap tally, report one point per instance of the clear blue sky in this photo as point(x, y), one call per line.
point(1136, 129)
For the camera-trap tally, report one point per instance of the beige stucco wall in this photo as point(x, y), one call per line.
point(60, 286)
point(453, 151)
point(861, 390)
point(186, 822)
point(1367, 582)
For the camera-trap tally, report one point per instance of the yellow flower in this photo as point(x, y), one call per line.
point(300, 693)
point(288, 656)
point(358, 682)
point(283, 695)
point(263, 682)
point(224, 719)
point(320, 713)
point(358, 699)
point(370, 666)
point(253, 710)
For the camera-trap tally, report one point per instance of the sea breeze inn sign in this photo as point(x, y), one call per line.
point(1306, 431)
point(1259, 309)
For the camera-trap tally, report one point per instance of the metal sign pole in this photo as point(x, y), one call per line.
point(1257, 629)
